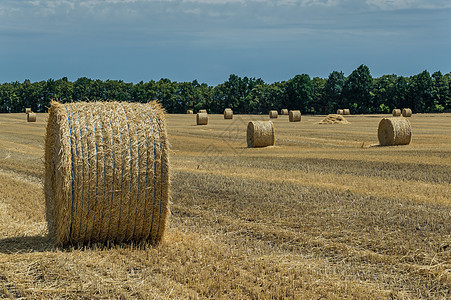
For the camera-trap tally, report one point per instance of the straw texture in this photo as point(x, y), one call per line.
point(294, 116)
point(31, 117)
point(189, 112)
point(406, 112)
point(339, 112)
point(273, 114)
point(201, 118)
point(27, 110)
point(284, 112)
point(396, 112)
point(228, 113)
point(394, 131)
point(346, 112)
point(260, 134)
point(106, 172)
point(334, 119)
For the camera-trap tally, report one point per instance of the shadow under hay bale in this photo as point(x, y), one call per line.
point(294, 116)
point(334, 119)
point(202, 119)
point(106, 172)
point(260, 134)
point(31, 117)
point(396, 112)
point(406, 112)
point(394, 131)
point(273, 114)
point(228, 113)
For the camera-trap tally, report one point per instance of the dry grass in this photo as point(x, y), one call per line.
point(319, 215)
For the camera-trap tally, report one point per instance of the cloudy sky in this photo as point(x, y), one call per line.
point(207, 40)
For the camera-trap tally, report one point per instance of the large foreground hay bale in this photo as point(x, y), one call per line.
point(202, 119)
point(228, 113)
point(396, 112)
point(27, 110)
point(394, 131)
point(295, 116)
point(346, 112)
point(106, 172)
point(202, 111)
point(31, 117)
point(406, 112)
point(284, 112)
point(189, 112)
point(334, 119)
point(260, 134)
point(273, 114)
point(339, 112)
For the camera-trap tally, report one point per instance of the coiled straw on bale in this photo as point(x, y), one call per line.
point(273, 114)
point(295, 116)
point(189, 112)
point(27, 110)
point(406, 112)
point(339, 112)
point(284, 112)
point(31, 117)
point(106, 172)
point(396, 112)
point(228, 113)
point(202, 119)
point(202, 111)
point(394, 131)
point(346, 112)
point(260, 134)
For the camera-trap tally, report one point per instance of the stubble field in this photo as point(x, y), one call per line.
point(320, 215)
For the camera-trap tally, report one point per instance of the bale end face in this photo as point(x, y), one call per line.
point(396, 112)
point(346, 112)
point(202, 119)
point(339, 112)
point(228, 113)
point(294, 116)
point(406, 112)
point(394, 131)
point(284, 112)
point(31, 117)
point(260, 134)
point(273, 114)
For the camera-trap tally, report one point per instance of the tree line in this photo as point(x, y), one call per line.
point(359, 92)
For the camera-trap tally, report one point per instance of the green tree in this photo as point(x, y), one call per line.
point(299, 93)
point(358, 90)
point(333, 92)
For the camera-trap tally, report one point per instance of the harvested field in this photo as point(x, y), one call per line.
point(319, 215)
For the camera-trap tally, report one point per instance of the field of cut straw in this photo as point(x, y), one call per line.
point(319, 215)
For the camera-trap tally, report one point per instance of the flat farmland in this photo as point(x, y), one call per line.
point(322, 214)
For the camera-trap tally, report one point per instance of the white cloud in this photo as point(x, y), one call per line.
point(409, 4)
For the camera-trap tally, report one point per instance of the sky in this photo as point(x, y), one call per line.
point(207, 40)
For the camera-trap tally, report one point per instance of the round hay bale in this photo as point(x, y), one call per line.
point(396, 112)
point(228, 113)
point(31, 117)
point(406, 112)
point(27, 110)
point(106, 172)
point(202, 111)
point(339, 112)
point(189, 112)
point(295, 116)
point(202, 119)
point(284, 112)
point(273, 114)
point(346, 112)
point(260, 134)
point(394, 131)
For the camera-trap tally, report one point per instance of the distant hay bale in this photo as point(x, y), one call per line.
point(273, 114)
point(346, 112)
point(394, 131)
point(31, 117)
point(284, 112)
point(294, 116)
point(334, 119)
point(202, 119)
point(202, 111)
point(189, 112)
point(406, 112)
point(27, 110)
point(260, 134)
point(228, 113)
point(106, 172)
point(396, 112)
point(339, 112)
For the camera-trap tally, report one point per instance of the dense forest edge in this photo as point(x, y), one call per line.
point(360, 92)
